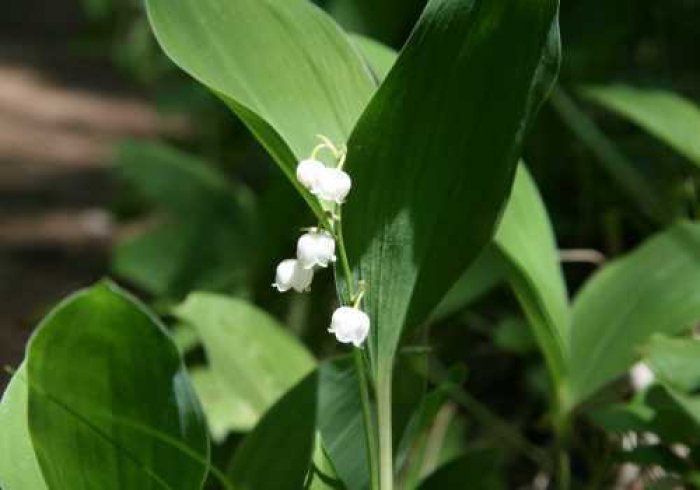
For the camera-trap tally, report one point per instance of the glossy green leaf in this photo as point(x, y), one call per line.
point(527, 243)
point(19, 468)
point(673, 119)
point(253, 357)
point(340, 423)
point(110, 404)
point(326, 402)
point(277, 454)
point(434, 154)
point(283, 66)
point(652, 290)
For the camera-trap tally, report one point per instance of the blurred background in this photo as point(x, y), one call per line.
point(112, 162)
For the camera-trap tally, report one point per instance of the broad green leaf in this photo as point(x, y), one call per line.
point(277, 454)
point(527, 243)
point(434, 154)
point(283, 66)
point(340, 423)
point(110, 404)
point(666, 115)
point(652, 290)
point(379, 58)
point(253, 357)
point(322, 475)
point(207, 240)
point(326, 402)
point(19, 468)
point(631, 180)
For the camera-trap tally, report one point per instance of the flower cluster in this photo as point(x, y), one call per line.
point(316, 248)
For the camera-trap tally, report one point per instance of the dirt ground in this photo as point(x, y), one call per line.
point(57, 131)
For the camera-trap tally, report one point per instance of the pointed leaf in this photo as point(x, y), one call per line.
point(276, 455)
point(110, 404)
point(528, 246)
point(652, 290)
point(19, 468)
point(666, 115)
point(434, 154)
point(283, 66)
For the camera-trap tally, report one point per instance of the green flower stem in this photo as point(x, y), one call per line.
point(363, 381)
point(386, 456)
point(368, 419)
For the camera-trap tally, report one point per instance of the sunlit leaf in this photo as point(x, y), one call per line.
point(283, 66)
point(253, 358)
point(434, 154)
point(652, 290)
point(110, 404)
point(19, 468)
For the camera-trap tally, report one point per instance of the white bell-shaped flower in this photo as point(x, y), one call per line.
point(333, 184)
point(350, 325)
point(290, 275)
point(641, 377)
point(309, 172)
point(316, 249)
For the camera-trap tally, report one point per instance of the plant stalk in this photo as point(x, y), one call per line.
point(373, 459)
point(368, 419)
point(386, 456)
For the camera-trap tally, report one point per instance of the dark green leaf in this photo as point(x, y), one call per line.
point(477, 469)
point(110, 404)
point(434, 154)
point(277, 454)
point(668, 116)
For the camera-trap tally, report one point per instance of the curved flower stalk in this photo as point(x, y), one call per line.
point(316, 249)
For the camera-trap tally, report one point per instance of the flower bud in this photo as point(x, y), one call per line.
point(350, 325)
point(308, 172)
point(316, 248)
point(290, 275)
point(332, 184)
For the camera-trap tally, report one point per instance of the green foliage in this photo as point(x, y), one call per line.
point(670, 117)
point(252, 360)
point(19, 467)
point(103, 374)
point(527, 244)
point(653, 290)
point(311, 82)
point(388, 225)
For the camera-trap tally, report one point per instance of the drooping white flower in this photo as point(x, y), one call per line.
point(641, 377)
point(308, 172)
point(316, 248)
point(332, 184)
point(350, 325)
point(290, 275)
